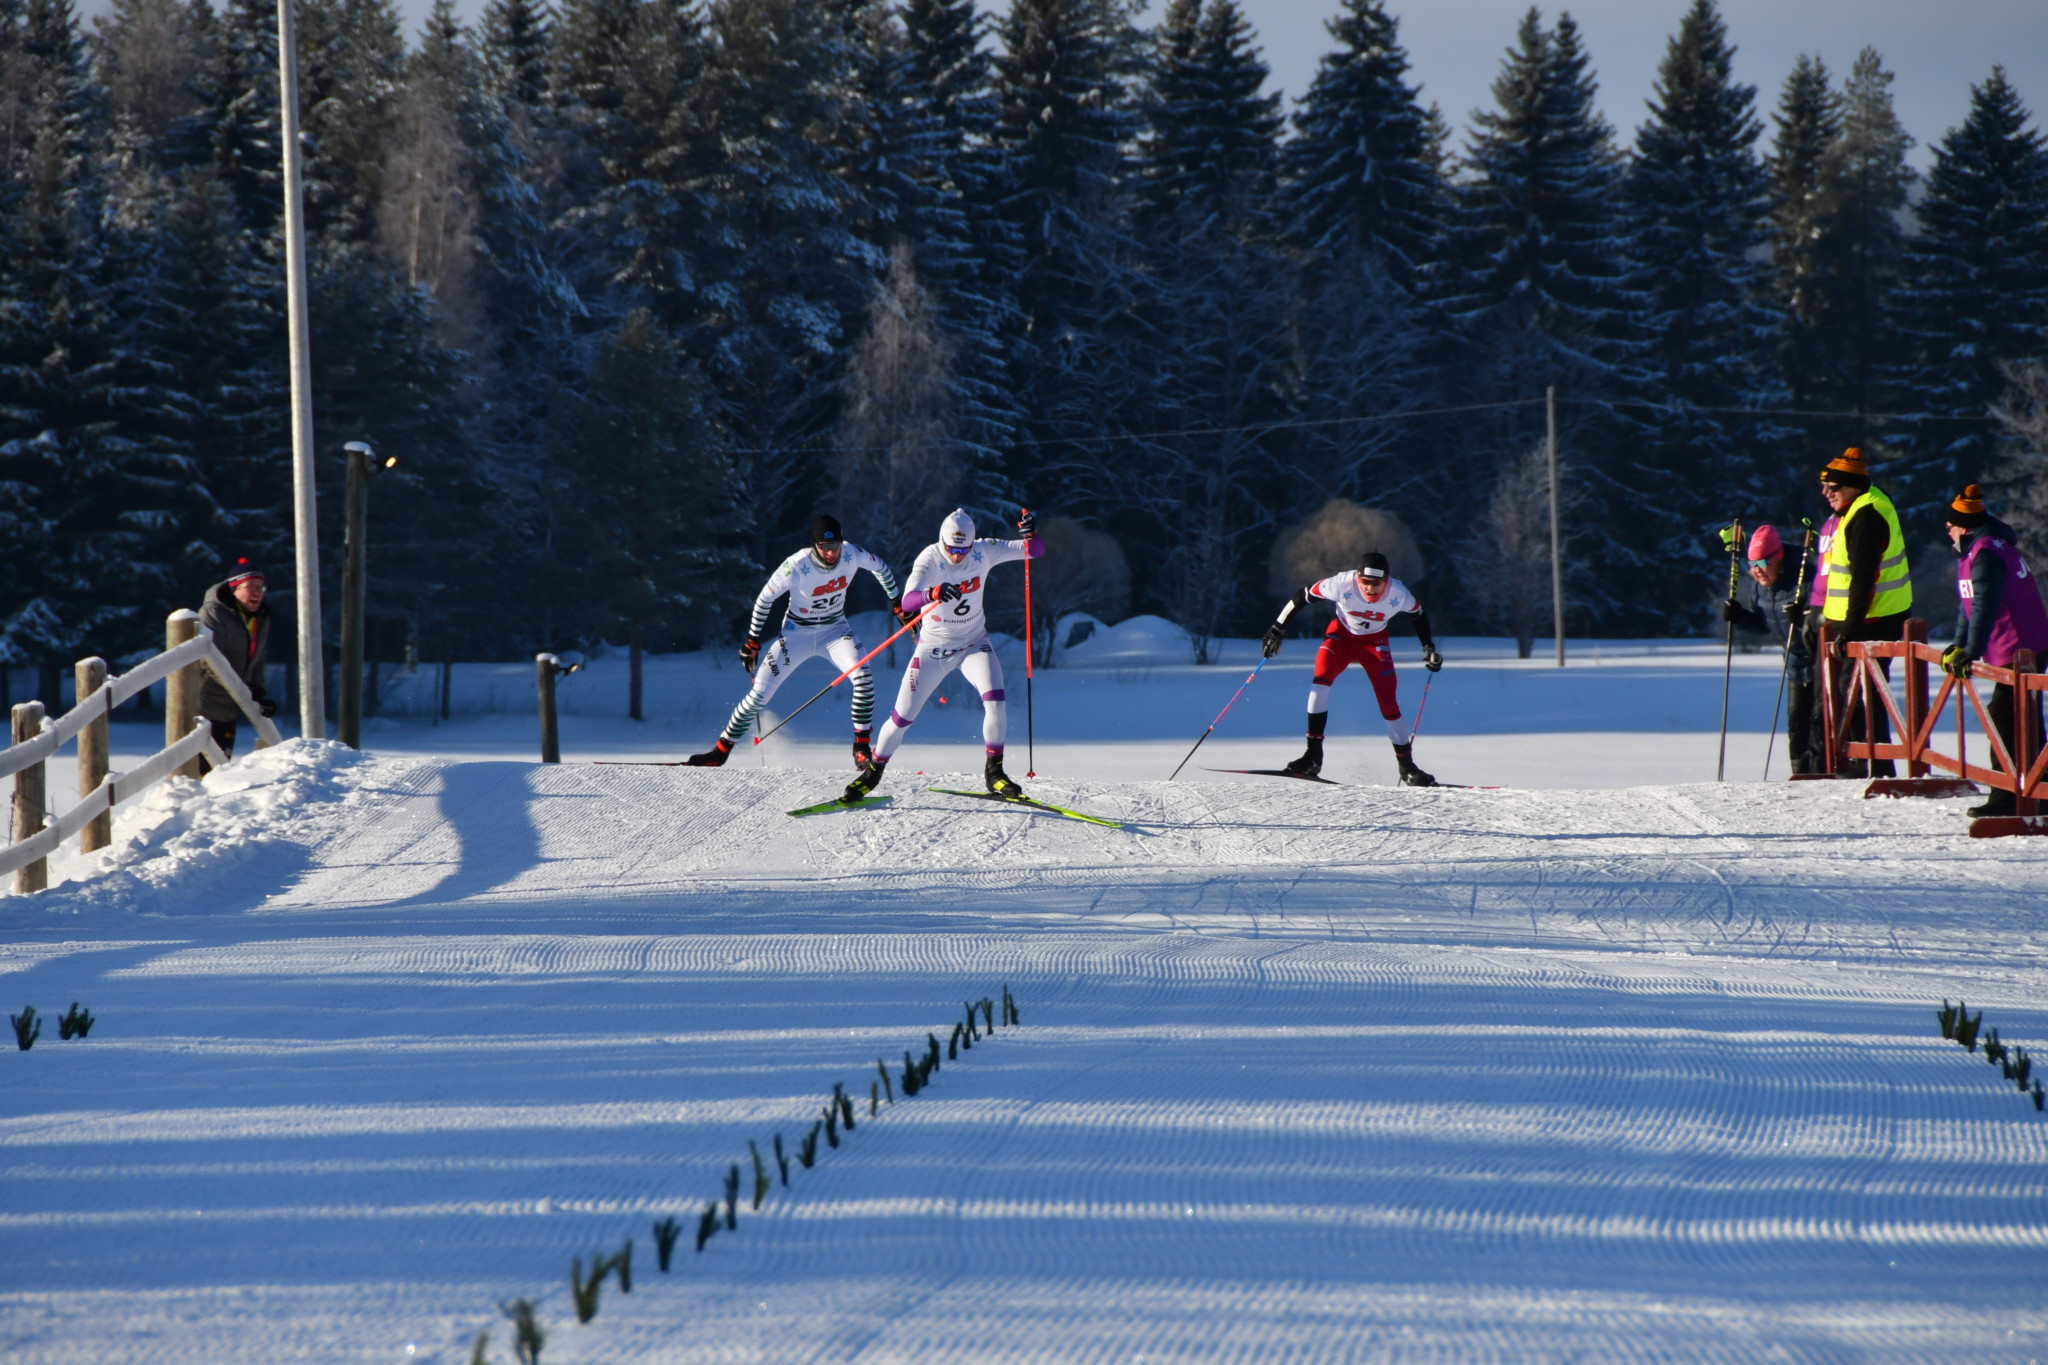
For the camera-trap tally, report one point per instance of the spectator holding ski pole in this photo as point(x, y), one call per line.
point(1766, 603)
point(2002, 615)
point(1367, 599)
point(1869, 583)
point(234, 610)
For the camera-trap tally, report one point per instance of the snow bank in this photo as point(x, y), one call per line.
point(1140, 641)
point(178, 845)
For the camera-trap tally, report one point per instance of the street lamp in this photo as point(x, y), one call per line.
point(305, 508)
point(361, 460)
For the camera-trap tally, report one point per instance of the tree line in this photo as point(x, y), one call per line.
point(632, 288)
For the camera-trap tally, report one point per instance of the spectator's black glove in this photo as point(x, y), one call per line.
point(1956, 661)
point(1269, 643)
point(750, 654)
point(1431, 660)
point(266, 706)
point(1730, 612)
point(1027, 525)
point(948, 592)
point(1796, 613)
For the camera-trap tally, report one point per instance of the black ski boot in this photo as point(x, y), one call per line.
point(714, 757)
point(863, 753)
point(1310, 764)
point(999, 783)
point(1998, 803)
point(869, 779)
point(1411, 776)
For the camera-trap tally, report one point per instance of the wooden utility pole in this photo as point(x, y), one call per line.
point(349, 711)
point(1556, 541)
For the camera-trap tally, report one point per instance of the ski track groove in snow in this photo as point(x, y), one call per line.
point(1306, 1074)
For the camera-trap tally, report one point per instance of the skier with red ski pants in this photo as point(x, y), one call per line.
point(1367, 599)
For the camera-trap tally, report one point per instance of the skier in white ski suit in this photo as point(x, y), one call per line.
point(816, 582)
point(953, 572)
point(1367, 600)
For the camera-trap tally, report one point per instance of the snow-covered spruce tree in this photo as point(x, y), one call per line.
point(1975, 292)
point(900, 467)
point(1213, 308)
point(1809, 123)
point(780, 271)
point(652, 540)
point(239, 122)
point(1064, 79)
point(149, 56)
point(1360, 171)
point(514, 37)
point(1548, 295)
point(1865, 182)
point(2018, 484)
point(352, 64)
point(1699, 200)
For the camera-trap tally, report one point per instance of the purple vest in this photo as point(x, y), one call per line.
point(2022, 621)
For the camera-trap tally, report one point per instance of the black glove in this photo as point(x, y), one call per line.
point(1795, 612)
point(1027, 525)
point(1956, 661)
point(1431, 660)
point(266, 706)
point(903, 618)
point(1730, 612)
point(1269, 643)
point(949, 592)
point(750, 654)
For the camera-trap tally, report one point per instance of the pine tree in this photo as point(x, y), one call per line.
point(1211, 156)
point(1700, 199)
point(1360, 169)
point(1809, 123)
point(1976, 291)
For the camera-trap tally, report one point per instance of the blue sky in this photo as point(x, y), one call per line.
point(1937, 48)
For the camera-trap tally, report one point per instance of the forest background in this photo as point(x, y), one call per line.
point(633, 288)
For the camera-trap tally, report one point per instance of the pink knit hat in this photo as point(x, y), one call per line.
point(1765, 543)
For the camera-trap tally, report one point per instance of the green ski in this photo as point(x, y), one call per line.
point(1032, 802)
point(836, 804)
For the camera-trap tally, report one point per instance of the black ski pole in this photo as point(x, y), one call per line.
point(1219, 717)
point(1734, 534)
point(1791, 633)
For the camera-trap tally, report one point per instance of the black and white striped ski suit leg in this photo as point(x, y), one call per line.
point(795, 646)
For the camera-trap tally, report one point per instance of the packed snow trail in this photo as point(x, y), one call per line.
point(1308, 1073)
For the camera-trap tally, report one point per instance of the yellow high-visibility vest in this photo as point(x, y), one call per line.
point(1894, 591)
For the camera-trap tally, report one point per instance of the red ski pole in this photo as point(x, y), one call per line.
point(1030, 732)
point(848, 673)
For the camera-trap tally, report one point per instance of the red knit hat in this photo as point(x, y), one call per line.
point(1847, 470)
point(1764, 542)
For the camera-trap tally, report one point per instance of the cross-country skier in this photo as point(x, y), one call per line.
point(954, 572)
point(1367, 600)
point(816, 581)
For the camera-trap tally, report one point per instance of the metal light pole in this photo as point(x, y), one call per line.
point(355, 544)
point(305, 503)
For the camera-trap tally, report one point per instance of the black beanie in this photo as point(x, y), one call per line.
point(243, 570)
point(1373, 560)
point(825, 530)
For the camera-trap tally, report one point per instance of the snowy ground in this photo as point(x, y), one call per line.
point(1634, 1067)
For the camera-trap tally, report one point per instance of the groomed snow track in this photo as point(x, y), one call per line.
point(1306, 1074)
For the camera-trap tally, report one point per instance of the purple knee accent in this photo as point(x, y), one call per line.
point(995, 750)
point(897, 716)
point(996, 695)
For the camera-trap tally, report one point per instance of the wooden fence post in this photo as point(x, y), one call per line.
point(181, 689)
point(1916, 694)
point(2026, 736)
point(29, 794)
point(1830, 703)
point(93, 745)
point(544, 666)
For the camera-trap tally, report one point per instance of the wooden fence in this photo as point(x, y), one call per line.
point(187, 738)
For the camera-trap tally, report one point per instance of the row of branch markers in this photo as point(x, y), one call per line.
point(836, 1119)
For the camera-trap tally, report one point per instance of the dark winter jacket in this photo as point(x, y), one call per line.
point(1762, 611)
point(244, 641)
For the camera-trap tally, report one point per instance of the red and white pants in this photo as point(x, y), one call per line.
point(1341, 649)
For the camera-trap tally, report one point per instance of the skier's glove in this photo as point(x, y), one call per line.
point(1730, 612)
point(1956, 661)
point(946, 592)
point(1431, 660)
point(1269, 643)
point(1027, 525)
point(750, 654)
point(1795, 612)
point(903, 618)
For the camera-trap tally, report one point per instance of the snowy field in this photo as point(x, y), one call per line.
point(1610, 1064)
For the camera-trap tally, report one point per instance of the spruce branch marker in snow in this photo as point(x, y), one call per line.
point(76, 1023)
point(2013, 1063)
point(27, 1028)
point(665, 1233)
point(528, 1335)
point(582, 1292)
